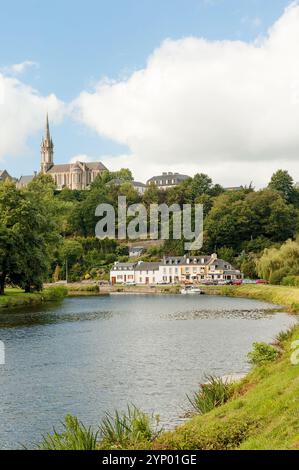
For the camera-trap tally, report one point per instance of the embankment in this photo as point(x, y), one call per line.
point(17, 298)
point(286, 297)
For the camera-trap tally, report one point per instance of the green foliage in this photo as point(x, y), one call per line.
point(284, 336)
point(75, 436)
point(240, 216)
point(262, 354)
point(55, 293)
point(277, 263)
point(125, 430)
point(227, 254)
point(28, 233)
point(212, 394)
point(290, 281)
point(282, 182)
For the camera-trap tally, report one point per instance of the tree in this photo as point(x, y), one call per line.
point(282, 182)
point(27, 235)
point(276, 263)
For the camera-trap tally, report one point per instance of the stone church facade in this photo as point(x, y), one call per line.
point(75, 176)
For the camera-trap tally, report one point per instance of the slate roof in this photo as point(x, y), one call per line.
point(167, 178)
point(182, 260)
point(66, 168)
point(147, 267)
point(123, 267)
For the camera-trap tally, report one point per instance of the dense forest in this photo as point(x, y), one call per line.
point(46, 235)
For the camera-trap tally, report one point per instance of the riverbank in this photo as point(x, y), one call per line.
point(286, 297)
point(15, 298)
point(262, 415)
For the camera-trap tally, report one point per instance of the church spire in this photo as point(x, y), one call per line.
point(47, 149)
point(47, 133)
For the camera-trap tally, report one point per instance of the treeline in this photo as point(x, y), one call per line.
point(50, 235)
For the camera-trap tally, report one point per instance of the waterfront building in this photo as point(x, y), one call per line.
point(175, 270)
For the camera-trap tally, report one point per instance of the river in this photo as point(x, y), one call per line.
point(89, 355)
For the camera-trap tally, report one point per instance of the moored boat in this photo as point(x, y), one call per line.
point(191, 290)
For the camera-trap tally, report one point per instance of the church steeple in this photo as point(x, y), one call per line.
point(47, 149)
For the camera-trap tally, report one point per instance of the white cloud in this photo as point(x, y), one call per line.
point(22, 114)
point(224, 106)
point(18, 69)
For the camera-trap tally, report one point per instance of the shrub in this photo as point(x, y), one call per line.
point(262, 353)
point(75, 436)
point(276, 277)
point(285, 335)
point(291, 281)
point(55, 293)
point(212, 394)
point(125, 430)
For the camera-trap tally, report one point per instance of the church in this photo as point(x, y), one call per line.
point(75, 176)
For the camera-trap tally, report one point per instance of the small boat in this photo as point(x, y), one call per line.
point(188, 290)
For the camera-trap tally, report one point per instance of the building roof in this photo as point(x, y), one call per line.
point(137, 248)
point(123, 266)
point(66, 168)
point(137, 184)
point(25, 180)
point(118, 182)
point(4, 174)
point(166, 179)
point(147, 266)
point(183, 260)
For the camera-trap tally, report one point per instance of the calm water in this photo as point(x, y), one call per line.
point(93, 354)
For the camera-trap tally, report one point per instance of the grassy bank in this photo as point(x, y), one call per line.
point(287, 297)
point(18, 298)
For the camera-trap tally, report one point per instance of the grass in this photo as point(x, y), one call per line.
point(287, 297)
point(215, 392)
point(74, 436)
point(128, 430)
point(18, 298)
point(119, 431)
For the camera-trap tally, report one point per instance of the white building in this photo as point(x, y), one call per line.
point(175, 270)
point(122, 273)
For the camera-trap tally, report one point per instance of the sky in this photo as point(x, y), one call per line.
point(187, 86)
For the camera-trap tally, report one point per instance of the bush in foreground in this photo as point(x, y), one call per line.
point(262, 353)
point(212, 394)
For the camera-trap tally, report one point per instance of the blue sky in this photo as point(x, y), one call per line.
point(76, 43)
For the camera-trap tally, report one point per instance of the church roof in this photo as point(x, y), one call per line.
point(66, 168)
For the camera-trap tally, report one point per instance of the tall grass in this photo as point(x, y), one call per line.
point(126, 430)
point(215, 392)
point(75, 436)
